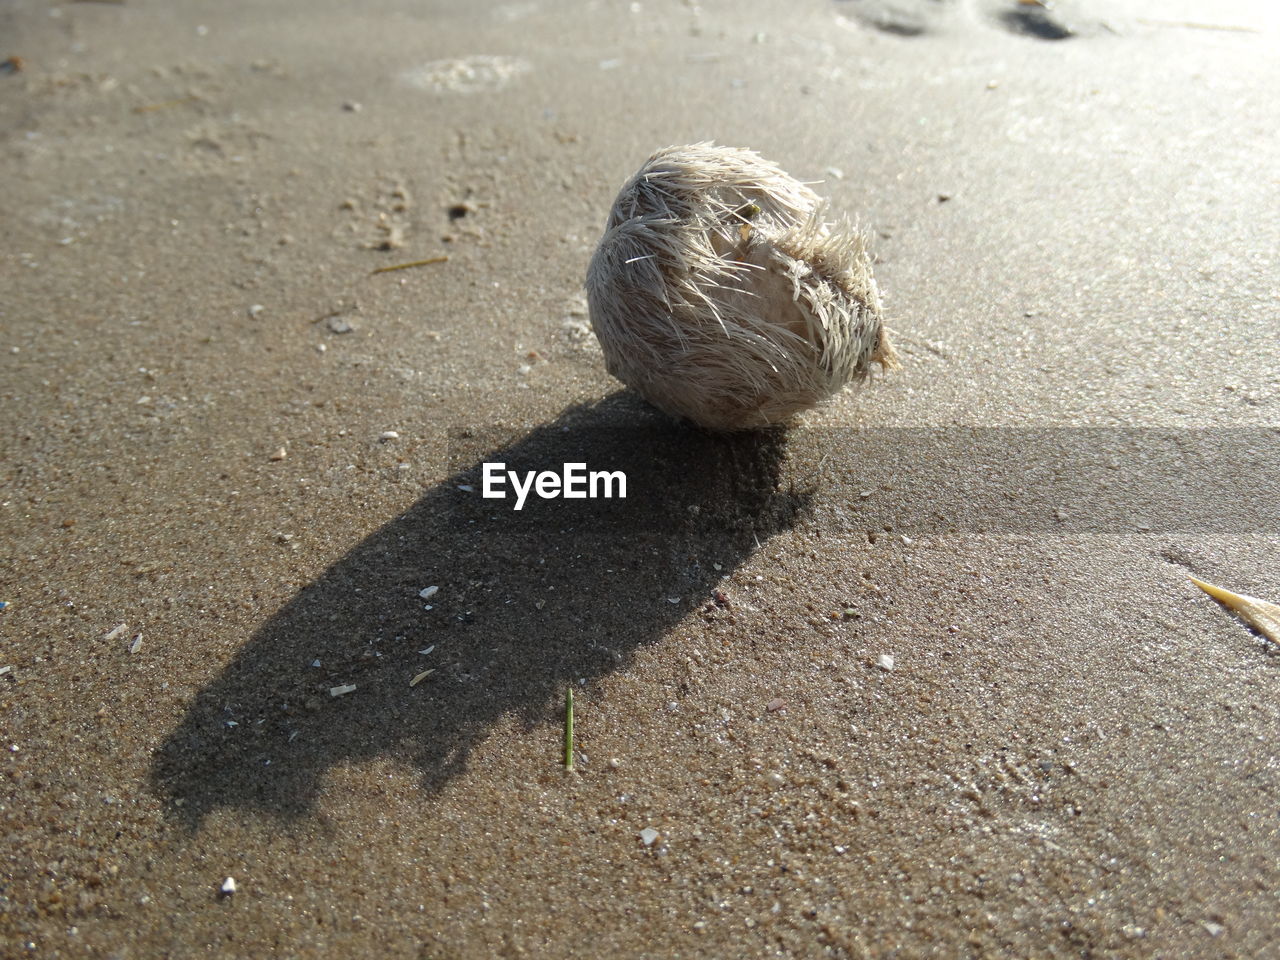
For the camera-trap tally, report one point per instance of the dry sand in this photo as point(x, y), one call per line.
point(1074, 752)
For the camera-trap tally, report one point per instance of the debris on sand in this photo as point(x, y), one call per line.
point(648, 835)
point(228, 887)
point(116, 632)
point(412, 263)
point(776, 704)
point(422, 676)
point(342, 691)
point(1259, 614)
point(885, 661)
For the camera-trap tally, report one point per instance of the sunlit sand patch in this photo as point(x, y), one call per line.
point(511, 12)
point(467, 74)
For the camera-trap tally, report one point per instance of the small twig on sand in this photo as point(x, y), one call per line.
point(413, 263)
point(568, 730)
point(1190, 25)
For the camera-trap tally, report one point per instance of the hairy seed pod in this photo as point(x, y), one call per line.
point(721, 293)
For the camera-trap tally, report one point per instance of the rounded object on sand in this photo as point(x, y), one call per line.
point(721, 294)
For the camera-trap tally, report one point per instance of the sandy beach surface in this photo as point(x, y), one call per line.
point(922, 676)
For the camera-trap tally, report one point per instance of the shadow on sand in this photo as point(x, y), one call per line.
point(528, 602)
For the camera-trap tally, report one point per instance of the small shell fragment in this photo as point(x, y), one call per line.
point(117, 631)
point(426, 593)
point(648, 835)
point(885, 661)
point(342, 690)
point(420, 677)
point(136, 645)
point(228, 887)
point(1262, 615)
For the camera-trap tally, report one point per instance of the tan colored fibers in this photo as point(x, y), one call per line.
point(723, 296)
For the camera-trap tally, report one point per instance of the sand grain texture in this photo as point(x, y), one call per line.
point(1073, 753)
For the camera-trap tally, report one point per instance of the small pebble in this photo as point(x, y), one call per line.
point(5, 669)
point(338, 325)
point(388, 435)
point(426, 593)
point(885, 661)
point(466, 488)
point(776, 704)
point(352, 106)
point(280, 454)
point(256, 309)
point(228, 887)
point(648, 835)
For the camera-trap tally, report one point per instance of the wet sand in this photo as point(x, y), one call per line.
point(921, 676)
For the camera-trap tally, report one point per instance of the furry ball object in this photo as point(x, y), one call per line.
point(724, 295)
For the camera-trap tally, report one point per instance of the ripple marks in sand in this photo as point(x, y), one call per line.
point(905, 18)
point(913, 18)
